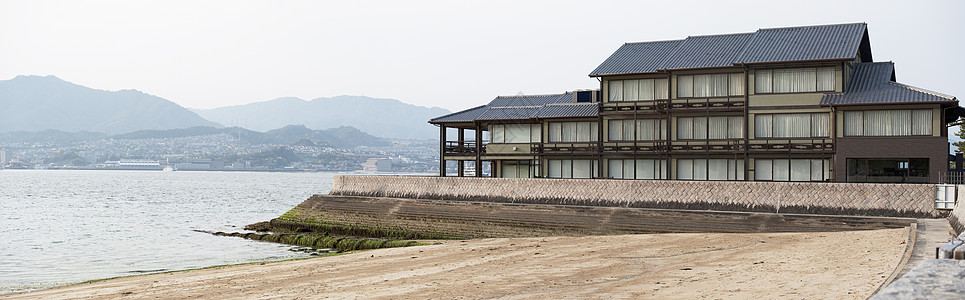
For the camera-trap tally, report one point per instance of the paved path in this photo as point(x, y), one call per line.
point(932, 233)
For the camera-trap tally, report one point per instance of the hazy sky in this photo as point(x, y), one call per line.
point(451, 54)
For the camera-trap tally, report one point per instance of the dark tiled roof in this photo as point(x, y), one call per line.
point(524, 108)
point(873, 83)
point(826, 42)
point(509, 113)
point(462, 116)
point(568, 110)
point(809, 43)
point(530, 100)
point(707, 51)
point(634, 58)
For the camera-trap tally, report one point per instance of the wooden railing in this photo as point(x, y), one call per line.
point(951, 177)
point(463, 148)
point(566, 148)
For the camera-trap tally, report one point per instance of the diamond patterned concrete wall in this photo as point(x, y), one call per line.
point(957, 217)
point(899, 200)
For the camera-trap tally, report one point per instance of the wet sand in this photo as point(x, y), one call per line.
point(823, 265)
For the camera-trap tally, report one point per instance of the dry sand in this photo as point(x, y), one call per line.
point(825, 265)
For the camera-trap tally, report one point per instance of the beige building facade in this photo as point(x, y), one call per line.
point(783, 104)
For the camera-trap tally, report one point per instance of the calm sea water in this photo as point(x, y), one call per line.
point(62, 227)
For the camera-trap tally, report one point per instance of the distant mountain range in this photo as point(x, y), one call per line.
point(381, 117)
point(50, 107)
point(36, 103)
point(342, 137)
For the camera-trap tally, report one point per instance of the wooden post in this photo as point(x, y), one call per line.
point(442, 150)
point(479, 150)
point(461, 141)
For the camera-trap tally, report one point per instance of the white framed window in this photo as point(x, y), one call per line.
point(570, 132)
point(637, 168)
point(792, 125)
point(714, 128)
point(637, 90)
point(797, 80)
point(710, 169)
point(710, 85)
point(792, 169)
point(895, 122)
point(515, 133)
point(572, 168)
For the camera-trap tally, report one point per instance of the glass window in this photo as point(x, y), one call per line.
point(615, 90)
point(736, 84)
point(723, 127)
point(499, 133)
point(651, 129)
point(637, 169)
point(615, 130)
point(515, 133)
point(798, 80)
point(792, 125)
point(685, 128)
point(792, 169)
point(637, 89)
point(661, 89)
point(646, 89)
point(717, 129)
point(781, 169)
point(763, 82)
point(615, 169)
point(899, 170)
point(572, 168)
point(640, 130)
point(556, 132)
point(685, 86)
point(685, 169)
point(710, 169)
point(710, 85)
point(631, 90)
point(569, 132)
point(888, 122)
point(517, 169)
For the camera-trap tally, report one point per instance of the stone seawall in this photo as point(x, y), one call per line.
point(894, 200)
point(440, 219)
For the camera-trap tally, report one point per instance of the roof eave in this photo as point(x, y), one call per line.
point(889, 103)
point(793, 61)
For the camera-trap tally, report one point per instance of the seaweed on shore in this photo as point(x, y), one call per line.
point(340, 243)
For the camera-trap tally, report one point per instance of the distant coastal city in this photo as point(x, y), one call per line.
point(217, 152)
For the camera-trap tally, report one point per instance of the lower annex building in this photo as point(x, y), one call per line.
point(782, 104)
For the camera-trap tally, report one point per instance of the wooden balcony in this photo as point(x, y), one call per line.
point(566, 148)
point(462, 149)
point(665, 106)
point(791, 145)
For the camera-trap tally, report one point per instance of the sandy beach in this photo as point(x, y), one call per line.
point(823, 265)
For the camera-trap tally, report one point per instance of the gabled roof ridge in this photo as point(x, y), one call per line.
point(812, 26)
point(654, 42)
point(520, 106)
point(924, 91)
point(570, 104)
point(876, 62)
point(718, 35)
point(535, 95)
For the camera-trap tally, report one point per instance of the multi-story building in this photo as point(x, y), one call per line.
point(782, 104)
